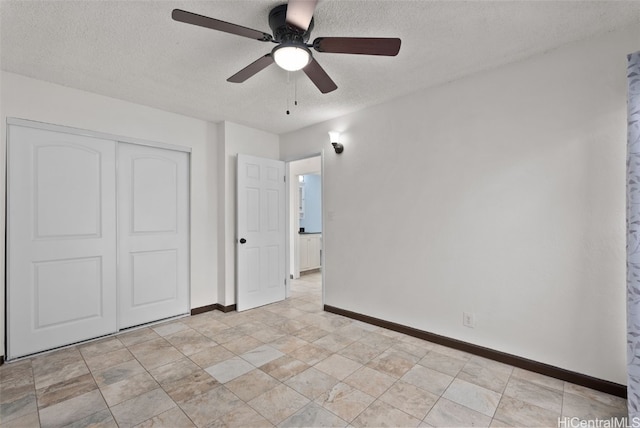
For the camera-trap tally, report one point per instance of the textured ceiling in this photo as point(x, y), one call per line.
point(133, 50)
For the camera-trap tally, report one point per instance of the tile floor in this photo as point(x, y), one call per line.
point(288, 364)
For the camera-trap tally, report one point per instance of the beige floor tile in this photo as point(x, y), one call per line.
point(446, 413)
point(155, 353)
point(473, 396)
point(606, 399)
point(17, 406)
point(284, 368)
point(428, 379)
point(16, 373)
point(252, 384)
point(242, 416)
point(312, 382)
point(313, 415)
point(183, 389)
point(278, 403)
point(205, 408)
point(101, 419)
point(267, 334)
point(310, 354)
point(288, 344)
point(345, 401)
point(516, 412)
point(352, 331)
point(377, 341)
point(359, 352)
point(141, 408)
point(291, 326)
point(535, 394)
point(538, 379)
point(174, 371)
point(418, 350)
point(100, 347)
point(229, 369)
point(226, 336)
point(169, 328)
point(338, 366)
point(445, 350)
point(108, 359)
point(371, 381)
point(311, 333)
point(72, 410)
point(58, 366)
point(589, 409)
point(29, 420)
point(410, 399)
point(65, 390)
point(483, 373)
point(442, 363)
point(118, 373)
point(128, 388)
point(211, 356)
point(137, 336)
point(381, 414)
point(242, 344)
point(190, 341)
point(333, 342)
point(392, 363)
point(172, 418)
point(261, 355)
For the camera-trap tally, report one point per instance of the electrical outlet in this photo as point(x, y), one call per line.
point(468, 319)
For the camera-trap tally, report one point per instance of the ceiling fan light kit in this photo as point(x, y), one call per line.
point(291, 57)
point(291, 25)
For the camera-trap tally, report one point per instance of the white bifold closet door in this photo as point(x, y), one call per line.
point(153, 234)
point(98, 237)
point(61, 239)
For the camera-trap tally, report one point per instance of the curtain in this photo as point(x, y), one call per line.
point(633, 236)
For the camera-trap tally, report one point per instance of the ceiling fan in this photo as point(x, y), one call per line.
point(291, 25)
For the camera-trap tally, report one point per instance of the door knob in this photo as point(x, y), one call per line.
point(242, 240)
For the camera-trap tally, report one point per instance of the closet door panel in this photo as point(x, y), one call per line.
point(153, 234)
point(61, 239)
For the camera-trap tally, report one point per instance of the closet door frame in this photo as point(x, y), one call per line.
point(104, 136)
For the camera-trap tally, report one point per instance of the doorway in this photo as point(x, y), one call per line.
point(305, 226)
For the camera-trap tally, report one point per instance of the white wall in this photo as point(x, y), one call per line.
point(31, 99)
point(234, 139)
point(502, 194)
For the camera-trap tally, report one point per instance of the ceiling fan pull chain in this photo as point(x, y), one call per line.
point(295, 90)
point(288, 90)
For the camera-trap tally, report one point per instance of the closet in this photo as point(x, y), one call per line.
point(97, 235)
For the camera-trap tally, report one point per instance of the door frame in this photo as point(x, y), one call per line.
point(288, 247)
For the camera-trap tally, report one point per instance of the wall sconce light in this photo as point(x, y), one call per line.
point(334, 137)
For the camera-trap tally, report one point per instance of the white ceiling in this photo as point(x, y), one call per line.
point(133, 50)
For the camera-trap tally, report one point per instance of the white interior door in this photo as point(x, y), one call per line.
point(260, 232)
point(153, 234)
point(61, 239)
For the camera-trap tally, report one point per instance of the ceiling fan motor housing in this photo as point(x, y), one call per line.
point(283, 32)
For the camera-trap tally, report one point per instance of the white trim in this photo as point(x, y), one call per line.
point(87, 133)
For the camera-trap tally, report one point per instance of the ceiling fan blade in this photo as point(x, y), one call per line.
point(216, 24)
point(319, 77)
point(251, 69)
point(358, 45)
point(300, 12)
